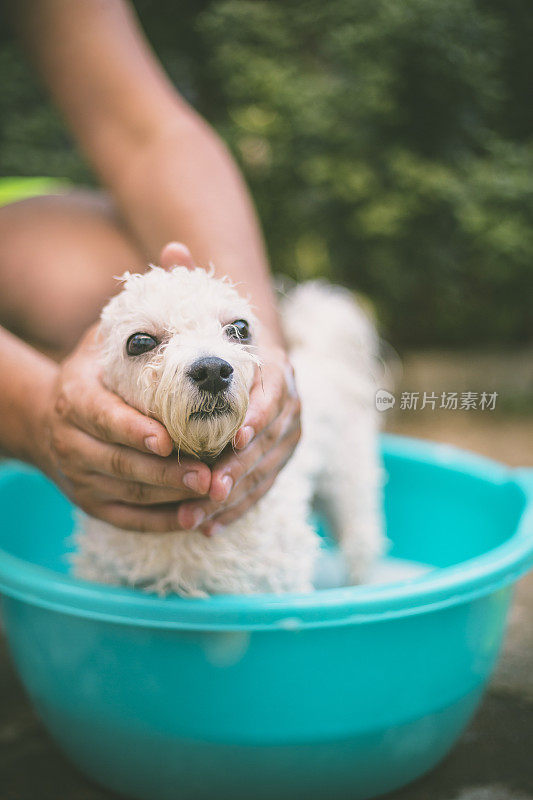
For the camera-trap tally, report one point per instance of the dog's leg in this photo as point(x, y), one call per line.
point(335, 365)
point(350, 487)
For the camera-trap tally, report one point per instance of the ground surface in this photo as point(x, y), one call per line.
point(494, 758)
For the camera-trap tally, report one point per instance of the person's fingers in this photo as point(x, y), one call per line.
point(105, 416)
point(121, 462)
point(266, 400)
point(176, 254)
point(193, 513)
point(109, 489)
point(257, 483)
point(218, 521)
point(79, 451)
point(268, 395)
point(153, 519)
point(232, 466)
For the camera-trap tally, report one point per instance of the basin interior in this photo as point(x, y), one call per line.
point(437, 512)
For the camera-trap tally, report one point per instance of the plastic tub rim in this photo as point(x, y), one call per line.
point(445, 587)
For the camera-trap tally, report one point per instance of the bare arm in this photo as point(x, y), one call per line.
point(171, 176)
point(30, 376)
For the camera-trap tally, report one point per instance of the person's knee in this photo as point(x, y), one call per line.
point(60, 316)
point(58, 257)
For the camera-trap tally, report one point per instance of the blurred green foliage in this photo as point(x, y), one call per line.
point(388, 145)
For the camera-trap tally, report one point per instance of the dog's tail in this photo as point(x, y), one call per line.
point(330, 323)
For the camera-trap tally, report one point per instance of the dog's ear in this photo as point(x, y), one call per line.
point(176, 254)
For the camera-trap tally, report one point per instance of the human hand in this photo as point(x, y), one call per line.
point(112, 461)
point(263, 445)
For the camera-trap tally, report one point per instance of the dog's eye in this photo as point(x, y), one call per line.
point(140, 343)
point(239, 330)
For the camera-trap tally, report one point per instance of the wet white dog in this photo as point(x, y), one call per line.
point(179, 346)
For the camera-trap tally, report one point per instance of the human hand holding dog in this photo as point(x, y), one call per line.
point(112, 461)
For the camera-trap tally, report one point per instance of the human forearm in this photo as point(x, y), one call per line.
point(184, 185)
point(169, 173)
point(26, 378)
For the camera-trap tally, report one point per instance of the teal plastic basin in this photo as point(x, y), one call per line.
point(344, 693)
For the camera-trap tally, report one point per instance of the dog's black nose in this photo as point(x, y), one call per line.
point(211, 374)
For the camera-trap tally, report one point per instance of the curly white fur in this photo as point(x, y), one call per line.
point(272, 548)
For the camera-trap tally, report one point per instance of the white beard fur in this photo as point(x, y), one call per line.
point(272, 548)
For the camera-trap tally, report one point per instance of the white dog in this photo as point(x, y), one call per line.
point(179, 346)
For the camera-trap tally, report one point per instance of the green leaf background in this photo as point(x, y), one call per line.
point(388, 145)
